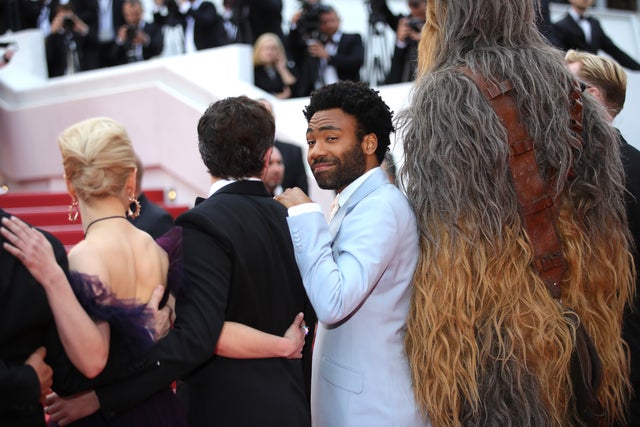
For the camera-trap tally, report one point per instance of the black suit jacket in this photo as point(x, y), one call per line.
point(26, 323)
point(348, 60)
point(295, 175)
point(569, 35)
point(208, 30)
point(56, 48)
point(239, 265)
point(119, 53)
point(152, 219)
point(89, 12)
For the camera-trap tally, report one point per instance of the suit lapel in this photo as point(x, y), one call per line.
point(377, 179)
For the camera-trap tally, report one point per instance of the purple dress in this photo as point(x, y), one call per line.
point(129, 340)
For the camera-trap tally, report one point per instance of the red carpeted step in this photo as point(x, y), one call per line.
point(155, 195)
point(175, 210)
point(49, 211)
point(68, 235)
point(41, 218)
point(20, 200)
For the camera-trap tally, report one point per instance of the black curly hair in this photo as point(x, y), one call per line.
point(360, 101)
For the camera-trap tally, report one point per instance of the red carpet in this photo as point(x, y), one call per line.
point(48, 211)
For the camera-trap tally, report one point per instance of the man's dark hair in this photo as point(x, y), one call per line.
point(234, 134)
point(360, 101)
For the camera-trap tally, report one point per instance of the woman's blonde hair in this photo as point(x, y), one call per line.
point(97, 157)
point(264, 38)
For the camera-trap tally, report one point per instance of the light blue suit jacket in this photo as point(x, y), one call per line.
point(358, 275)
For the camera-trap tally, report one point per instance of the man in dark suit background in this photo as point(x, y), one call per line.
point(203, 27)
point(584, 33)
point(25, 323)
point(152, 219)
point(334, 56)
point(295, 174)
point(239, 266)
point(136, 40)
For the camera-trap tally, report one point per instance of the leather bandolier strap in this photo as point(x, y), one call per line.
point(539, 214)
point(535, 196)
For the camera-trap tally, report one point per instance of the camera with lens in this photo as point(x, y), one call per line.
point(132, 30)
point(416, 24)
point(68, 23)
point(309, 22)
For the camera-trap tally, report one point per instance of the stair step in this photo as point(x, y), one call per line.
point(21, 200)
point(49, 211)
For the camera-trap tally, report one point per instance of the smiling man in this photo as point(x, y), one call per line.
point(357, 269)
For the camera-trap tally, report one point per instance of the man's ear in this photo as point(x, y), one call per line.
point(265, 161)
point(596, 93)
point(370, 144)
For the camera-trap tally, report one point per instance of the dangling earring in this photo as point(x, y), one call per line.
point(135, 213)
point(73, 210)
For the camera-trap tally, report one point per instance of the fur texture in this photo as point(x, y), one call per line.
point(487, 343)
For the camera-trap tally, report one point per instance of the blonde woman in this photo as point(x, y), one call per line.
point(101, 318)
point(270, 71)
point(103, 314)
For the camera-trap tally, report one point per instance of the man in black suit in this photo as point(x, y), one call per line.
point(333, 57)
point(136, 40)
point(67, 43)
point(405, 54)
point(584, 33)
point(239, 266)
point(103, 17)
point(203, 27)
point(295, 174)
point(152, 219)
point(25, 323)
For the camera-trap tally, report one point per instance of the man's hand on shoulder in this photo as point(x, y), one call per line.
point(293, 197)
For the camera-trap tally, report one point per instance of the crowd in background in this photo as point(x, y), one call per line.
point(313, 50)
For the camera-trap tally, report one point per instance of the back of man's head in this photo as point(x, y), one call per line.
point(234, 135)
point(360, 101)
point(605, 74)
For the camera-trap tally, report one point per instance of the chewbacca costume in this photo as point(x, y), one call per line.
point(487, 343)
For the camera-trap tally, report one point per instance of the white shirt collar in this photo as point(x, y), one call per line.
point(575, 15)
point(223, 182)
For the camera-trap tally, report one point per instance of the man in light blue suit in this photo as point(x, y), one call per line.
point(357, 270)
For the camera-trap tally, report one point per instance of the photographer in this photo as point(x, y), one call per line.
point(65, 45)
point(324, 56)
point(405, 54)
point(137, 40)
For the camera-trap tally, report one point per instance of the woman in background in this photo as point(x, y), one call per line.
point(270, 71)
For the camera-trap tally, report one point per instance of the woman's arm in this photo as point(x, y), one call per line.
point(238, 341)
point(86, 342)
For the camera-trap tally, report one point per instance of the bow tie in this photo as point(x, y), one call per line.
point(582, 18)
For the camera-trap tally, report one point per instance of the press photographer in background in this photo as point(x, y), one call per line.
point(323, 54)
point(137, 40)
point(405, 54)
point(66, 44)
